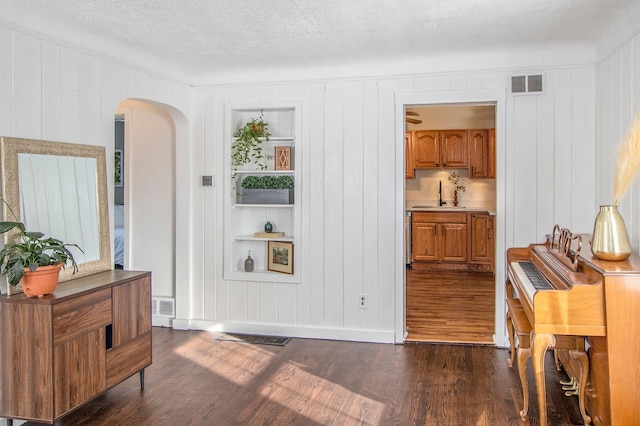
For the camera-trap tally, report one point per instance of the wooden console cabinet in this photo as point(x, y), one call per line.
point(61, 350)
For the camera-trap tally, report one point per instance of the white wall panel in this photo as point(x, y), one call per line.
point(334, 255)
point(6, 81)
point(69, 96)
point(353, 182)
point(583, 154)
point(370, 202)
point(313, 203)
point(51, 92)
point(618, 104)
point(27, 86)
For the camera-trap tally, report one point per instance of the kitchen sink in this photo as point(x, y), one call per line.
point(445, 207)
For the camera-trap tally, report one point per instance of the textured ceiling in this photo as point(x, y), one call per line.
point(190, 39)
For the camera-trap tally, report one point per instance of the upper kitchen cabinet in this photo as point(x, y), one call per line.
point(479, 153)
point(453, 148)
point(492, 153)
point(440, 148)
point(409, 168)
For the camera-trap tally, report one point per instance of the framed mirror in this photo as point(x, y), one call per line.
point(59, 189)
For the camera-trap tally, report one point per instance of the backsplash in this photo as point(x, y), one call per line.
point(480, 193)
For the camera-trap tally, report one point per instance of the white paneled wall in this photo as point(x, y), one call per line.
point(351, 224)
point(350, 198)
point(618, 103)
point(52, 92)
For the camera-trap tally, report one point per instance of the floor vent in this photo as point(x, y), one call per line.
point(163, 307)
point(527, 84)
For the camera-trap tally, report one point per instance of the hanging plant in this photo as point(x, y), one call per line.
point(247, 144)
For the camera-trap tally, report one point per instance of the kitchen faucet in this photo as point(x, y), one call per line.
point(441, 203)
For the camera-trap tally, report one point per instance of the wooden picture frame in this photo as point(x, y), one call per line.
point(280, 257)
point(282, 158)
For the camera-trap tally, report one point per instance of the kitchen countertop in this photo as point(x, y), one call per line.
point(445, 208)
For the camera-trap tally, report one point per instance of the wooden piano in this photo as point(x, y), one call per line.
point(588, 310)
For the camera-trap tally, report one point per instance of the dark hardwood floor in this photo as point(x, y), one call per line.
point(198, 380)
point(450, 306)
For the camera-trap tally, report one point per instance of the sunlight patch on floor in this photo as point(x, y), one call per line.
point(320, 400)
point(239, 363)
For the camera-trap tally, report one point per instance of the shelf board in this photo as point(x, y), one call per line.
point(265, 172)
point(252, 238)
point(272, 206)
point(261, 275)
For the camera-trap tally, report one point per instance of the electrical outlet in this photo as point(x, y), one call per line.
point(362, 301)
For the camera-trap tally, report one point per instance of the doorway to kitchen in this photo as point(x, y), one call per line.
point(450, 208)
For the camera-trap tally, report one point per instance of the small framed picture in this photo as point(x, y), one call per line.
point(282, 157)
point(280, 257)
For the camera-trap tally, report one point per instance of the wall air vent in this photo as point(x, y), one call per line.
point(163, 307)
point(527, 84)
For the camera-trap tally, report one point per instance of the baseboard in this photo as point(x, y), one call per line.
point(353, 335)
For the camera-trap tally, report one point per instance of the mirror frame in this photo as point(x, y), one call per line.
point(9, 150)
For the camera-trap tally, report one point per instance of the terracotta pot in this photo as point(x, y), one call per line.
point(43, 280)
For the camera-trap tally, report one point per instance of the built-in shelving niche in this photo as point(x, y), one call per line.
point(241, 221)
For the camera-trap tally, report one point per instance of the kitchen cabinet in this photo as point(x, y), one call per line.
point(409, 167)
point(439, 237)
point(482, 241)
point(61, 350)
point(440, 148)
point(492, 153)
point(478, 153)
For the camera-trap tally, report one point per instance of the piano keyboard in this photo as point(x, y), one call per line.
point(531, 278)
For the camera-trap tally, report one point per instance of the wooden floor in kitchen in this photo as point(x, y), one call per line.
point(450, 306)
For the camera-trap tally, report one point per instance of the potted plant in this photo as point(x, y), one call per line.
point(247, 144)
point(266, 190)
point(32, 256)
point(458, 183)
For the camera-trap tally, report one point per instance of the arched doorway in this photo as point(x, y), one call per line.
point(147, 196)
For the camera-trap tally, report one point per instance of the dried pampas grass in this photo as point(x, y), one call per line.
point(628, 163)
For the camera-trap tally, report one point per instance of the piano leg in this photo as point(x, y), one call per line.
point(583, 360)
point(523, 356)
point(512, 343)
point(541, 342)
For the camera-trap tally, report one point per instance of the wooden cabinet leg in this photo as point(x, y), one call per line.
point(541, 342)
point(142, 379)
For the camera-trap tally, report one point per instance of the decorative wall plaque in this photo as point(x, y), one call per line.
point(282, 157)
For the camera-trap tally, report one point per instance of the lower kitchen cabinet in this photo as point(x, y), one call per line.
point(61, 350)
point(439, 236)
point(452, 240)
point(482, 241)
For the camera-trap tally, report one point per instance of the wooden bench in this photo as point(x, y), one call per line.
point(518, 325)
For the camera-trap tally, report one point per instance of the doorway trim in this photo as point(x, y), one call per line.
point(409, 99)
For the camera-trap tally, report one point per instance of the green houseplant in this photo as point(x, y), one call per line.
point(458, 182)
point(31, 251)
point(266, 189)
point(247, 144)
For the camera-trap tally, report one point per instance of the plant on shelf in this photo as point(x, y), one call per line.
point(267, 182)
point(247, 144)
point(29, 252)
point(458, 183)
point(267, 190)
